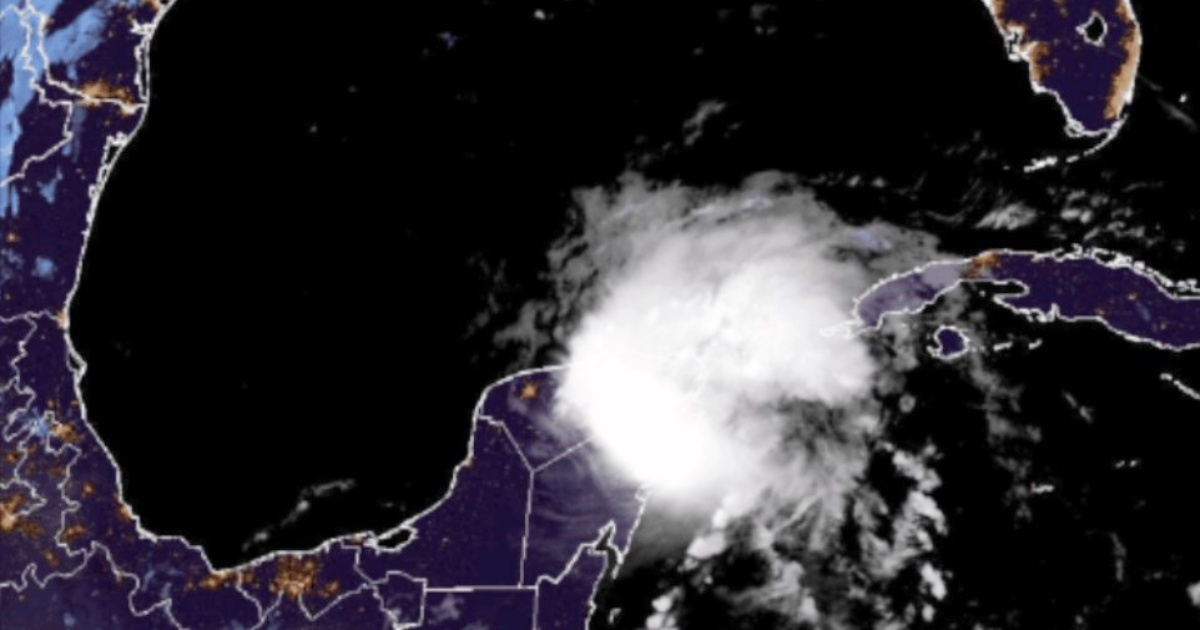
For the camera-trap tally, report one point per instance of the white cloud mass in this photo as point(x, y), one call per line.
point(710, 364)
point(703, 334)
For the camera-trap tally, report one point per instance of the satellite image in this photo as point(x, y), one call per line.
point(599, 314)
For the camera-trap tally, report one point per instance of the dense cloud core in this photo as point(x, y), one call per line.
point(708, 349)
point(721, 321)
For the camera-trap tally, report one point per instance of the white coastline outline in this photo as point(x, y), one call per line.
point(1015, 34)
point(1175, 290)
point(27, 59)
point(938, 351)
point(119, 142)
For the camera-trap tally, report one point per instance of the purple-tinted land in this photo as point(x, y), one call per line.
point(1085, 52)
point(566, 601)
point(475, 536)
point(512, 522)
point(402, 598)
point(533, 500)
point(70, 92)
point(508, 609)
point(92, 597)
point(72, 552)
point(62, 517)
point(949, 342)
point(561, 518)
point(503, 525)
point(1094, 286)
point(522, 403)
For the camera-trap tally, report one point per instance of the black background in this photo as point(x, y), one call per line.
point(284, 270)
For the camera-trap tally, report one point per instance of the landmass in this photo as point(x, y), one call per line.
point(1094, 285)
point(1085, 53)
point(520, 540)
point(535, 517)
point(949, 343)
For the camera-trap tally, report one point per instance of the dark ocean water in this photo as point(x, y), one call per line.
point(287, 263)
point(1064, 475)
